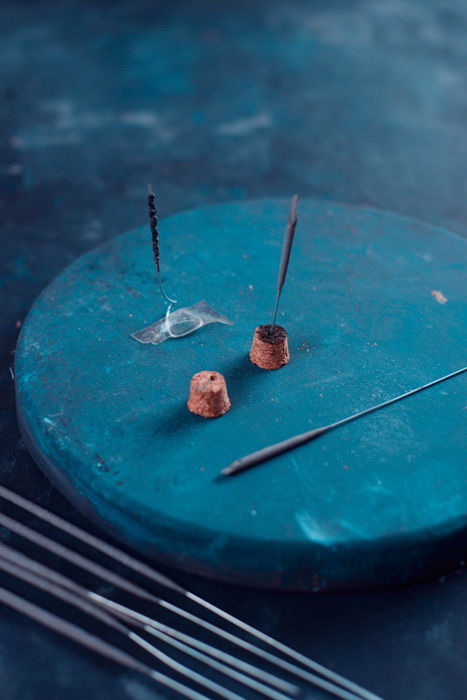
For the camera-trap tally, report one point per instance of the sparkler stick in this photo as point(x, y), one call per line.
point(251, 460)
point(286, 250)
point(155, 242)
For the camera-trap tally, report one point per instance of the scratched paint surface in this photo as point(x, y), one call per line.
point(379, 501)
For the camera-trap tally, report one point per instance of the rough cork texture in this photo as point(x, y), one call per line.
point(269, 350)
point(208, 395)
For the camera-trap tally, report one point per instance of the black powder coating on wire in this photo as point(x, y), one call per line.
point(286, 250)
point(153, 226)
point(288, 240)
point(272, 335)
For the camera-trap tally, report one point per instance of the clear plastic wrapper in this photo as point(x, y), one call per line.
point(180, 322)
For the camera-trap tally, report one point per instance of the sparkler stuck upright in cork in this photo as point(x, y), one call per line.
point(269, 349)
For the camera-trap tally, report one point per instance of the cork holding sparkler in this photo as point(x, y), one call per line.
point(208, 395)
point(269, 349)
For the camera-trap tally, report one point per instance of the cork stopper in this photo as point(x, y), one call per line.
point(269, 349)
point(208, 395)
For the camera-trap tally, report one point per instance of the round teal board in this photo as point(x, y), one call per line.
point(374, 305)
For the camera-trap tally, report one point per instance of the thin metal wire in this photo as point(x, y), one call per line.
point(92, 642)
point(145, 621)
point(274, 315)
point(91, 609)
point(63, 587)
point(75, 558)
point(91, 540)
point(335, 689)
point(278, 448)
point(166, 296)
point(150, 573)
point(330, 687)
point(48, 574)
point(106, 574)
point(255, 685)
point(156, 629)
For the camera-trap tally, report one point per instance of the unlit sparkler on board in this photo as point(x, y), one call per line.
point(251, 460)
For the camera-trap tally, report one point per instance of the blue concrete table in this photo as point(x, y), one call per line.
point(362, 102)
point(379, 502)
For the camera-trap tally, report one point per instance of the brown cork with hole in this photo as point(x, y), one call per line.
point(269, 349)
point(208, 394)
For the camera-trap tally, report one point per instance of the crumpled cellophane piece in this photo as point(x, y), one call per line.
point(179, 323)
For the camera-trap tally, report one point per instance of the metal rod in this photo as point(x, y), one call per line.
point(336, 687)
point(92, 642)
point(54, 579)
point(75, 558)
point(95, 542)
point(104, 573)
point(330, 687)
point(217, 666)
point(90, 608)
point(251, 460)
point(131, 562)
point(156, 629)
point(180, 668)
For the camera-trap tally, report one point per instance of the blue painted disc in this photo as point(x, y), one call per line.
point(374, 305)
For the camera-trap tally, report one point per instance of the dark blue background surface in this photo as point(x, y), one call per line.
point(363, 102)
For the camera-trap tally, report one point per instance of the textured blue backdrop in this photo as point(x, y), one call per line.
point(362, 101)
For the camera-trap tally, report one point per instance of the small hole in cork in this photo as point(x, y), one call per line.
point(212, 377)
